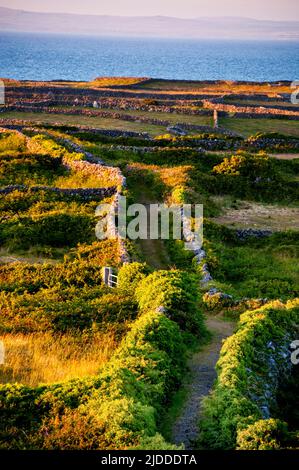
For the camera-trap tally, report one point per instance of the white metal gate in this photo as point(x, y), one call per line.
point(109, 278)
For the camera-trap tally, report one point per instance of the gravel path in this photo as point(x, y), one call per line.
point(203, 375)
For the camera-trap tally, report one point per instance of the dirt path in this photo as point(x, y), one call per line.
point(285, 156)
point(153, 252)
point(203, 375)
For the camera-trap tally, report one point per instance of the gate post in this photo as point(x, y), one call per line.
point(106, 271)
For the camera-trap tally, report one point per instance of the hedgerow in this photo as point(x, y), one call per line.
point(130, 275)
point(177, 292)
point(252, 364)
point(254, 176)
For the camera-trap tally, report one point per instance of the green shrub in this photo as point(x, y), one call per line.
point(247, 165)
point(217, 301)
point(130, 275)
point(56, 230)
point(265, 434)
point(30, 170)
point(246, 375)
point(253, 176)
point(257, 268)
point(177, 293)
point(11, 141)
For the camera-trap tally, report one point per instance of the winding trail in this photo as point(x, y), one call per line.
point(202, 372)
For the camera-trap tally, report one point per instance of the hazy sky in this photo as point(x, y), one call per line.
point(260, 9)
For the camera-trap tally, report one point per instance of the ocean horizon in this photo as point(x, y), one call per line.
point(38, 56)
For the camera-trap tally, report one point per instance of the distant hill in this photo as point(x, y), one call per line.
point(153, 26)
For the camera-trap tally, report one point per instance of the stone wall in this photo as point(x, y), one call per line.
point(82, 193)
point(20, 124)
point(264, 143)
point(250, 111)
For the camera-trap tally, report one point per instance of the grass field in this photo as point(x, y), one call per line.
point(43, 358)
point(96, 122)
point(173, 118)
point(221, 87)
point(111, 359)
point(243, 126)
point(247, 127)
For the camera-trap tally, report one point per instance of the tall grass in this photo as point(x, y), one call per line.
point(82, 180)
point(44, 358)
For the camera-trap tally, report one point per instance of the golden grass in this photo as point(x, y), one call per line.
point(81, 180)
point(45, 358)
point(215, 88)
point(117, 81)
point(170, 176)
point(93, 121)
point(173, 178)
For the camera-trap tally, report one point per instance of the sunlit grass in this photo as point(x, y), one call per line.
point(248, 127)
point(82, 180)
point(38, 358)
point(77, 120)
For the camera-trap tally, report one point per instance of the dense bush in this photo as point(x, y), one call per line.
point(177, 293)
point(249, 166)
point(12, 142)
point(265, 267)
point(45, 218)
point(130, 275)
point(46, 145)
point(254, 176)
point(56, 230)
point(81, 269)
point(27, 169)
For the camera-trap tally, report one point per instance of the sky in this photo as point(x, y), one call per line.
point(259, 9)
